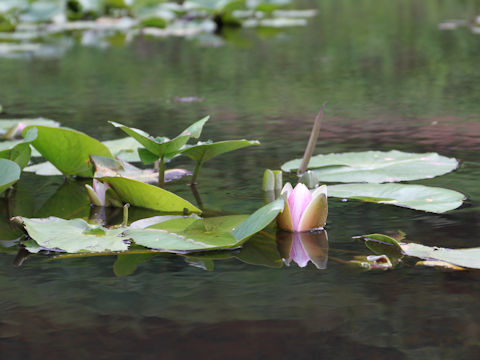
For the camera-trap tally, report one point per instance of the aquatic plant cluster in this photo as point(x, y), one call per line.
point(26, 25)
point(182, 227)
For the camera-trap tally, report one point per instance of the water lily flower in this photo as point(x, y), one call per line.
point(15, 131)
point(101, 194)
point(303, 210)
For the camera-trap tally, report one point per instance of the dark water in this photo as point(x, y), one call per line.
point(392, 80)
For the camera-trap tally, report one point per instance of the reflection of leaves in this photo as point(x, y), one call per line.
point(126, 263)
point(261, 249)
point(69, 201)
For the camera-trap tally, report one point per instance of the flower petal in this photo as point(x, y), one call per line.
point(93, 196)
point(297, 252)
point(100, 189)
point(284, 219)
point(298, 201)
point(315, 215)
point(287, 189)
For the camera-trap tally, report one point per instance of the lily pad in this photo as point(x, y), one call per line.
point(73, 236)
point(163, 146)
point(417, 197)
point(45, 168)
point(9, 174)
point(259, 219)
point(105, 166)
point(204, 151)
point(189, 234)
point(376, 166)
point(7, 124)
point(20, 153)
point(125, 149)
point(148, 196)
point(69, 150)
point(469, 258)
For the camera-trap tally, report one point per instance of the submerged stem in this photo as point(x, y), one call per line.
point(312, 141)
point(161, 172)
point(125, 214)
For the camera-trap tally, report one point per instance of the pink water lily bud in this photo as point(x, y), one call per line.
point(15, 131)
point(97, 193)
point(303, 210)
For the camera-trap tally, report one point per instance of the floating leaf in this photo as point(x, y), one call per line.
point(9, 174)
point(73, 236)
point(105, 166)
point(376, 166)
point(148, 196)
point(69, 150)
point(259, 219)
point(417, 197)
point(8, 124)
point(204, 151)
point(469, 258)
point(44, 168)
point(189, 233)
point(439, 264)
point(124, 149)
point(162, 146)
point(20, 153)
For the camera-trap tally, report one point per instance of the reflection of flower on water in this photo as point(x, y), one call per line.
point(303, 210)
point(304, 247)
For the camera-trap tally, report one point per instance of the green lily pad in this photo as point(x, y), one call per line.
point(125, 149)
point(20, 153)
point(259, 219)
point(189, 234)
point(9, 174)
point(417, 197)
point(105, 166)
point(204, 151)
point(7, 124)
point(148, 196)
point(73, 236)
point(45, 168)
point(469, 258)
point(163, 146)
point(376, 166)
point(69, 150)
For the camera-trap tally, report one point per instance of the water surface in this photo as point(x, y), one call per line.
point(392, 80)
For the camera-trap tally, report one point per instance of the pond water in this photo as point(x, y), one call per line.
point(392, 80)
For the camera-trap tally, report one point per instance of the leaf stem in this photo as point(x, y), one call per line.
point(312, 141)
point(161, 172)
point(197, 170)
